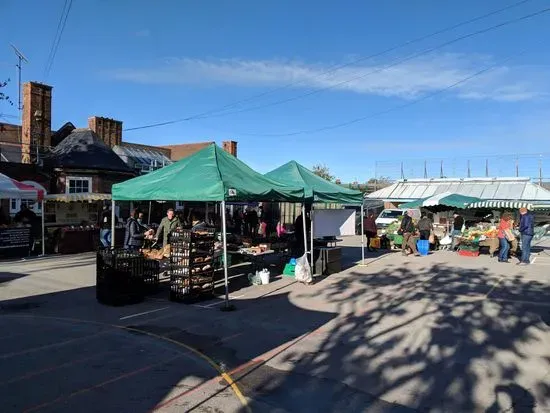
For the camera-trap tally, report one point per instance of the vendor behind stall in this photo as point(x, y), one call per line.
point(169, 223)
point(299, 231)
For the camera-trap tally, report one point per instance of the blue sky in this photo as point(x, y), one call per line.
point(143, 64)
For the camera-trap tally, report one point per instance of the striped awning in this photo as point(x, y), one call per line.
point(89, 197)
point(501, 205)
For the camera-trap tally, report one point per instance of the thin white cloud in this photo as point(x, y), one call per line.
point(407, 80)
point(143, 33)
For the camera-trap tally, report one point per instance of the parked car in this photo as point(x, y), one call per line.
point(389, 216)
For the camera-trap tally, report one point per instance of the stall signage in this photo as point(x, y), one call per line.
point(232, 192)
point(14, 238)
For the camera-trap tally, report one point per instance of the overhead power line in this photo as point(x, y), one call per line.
point(389, 66)
point(331, 69)
point(392, 109)
point(58, 35)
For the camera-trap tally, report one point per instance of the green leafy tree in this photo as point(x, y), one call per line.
point(323, 172)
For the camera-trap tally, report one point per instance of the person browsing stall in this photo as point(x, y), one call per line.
point(169, 223)
point(505, 236)
point(527, 230)
point(425, 227)
point(408, 230)
point(458, 224)
point(133, 236)
point(369, 226)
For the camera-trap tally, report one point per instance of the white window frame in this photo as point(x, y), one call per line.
point(68, 180)
point(15, 205)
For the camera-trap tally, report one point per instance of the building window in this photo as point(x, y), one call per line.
point(16, 204)
point(78, 185)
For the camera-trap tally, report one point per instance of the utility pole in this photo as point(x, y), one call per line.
point(441, 170)
point(469, 170)
point(20, 59)
point(402, 173)
point(425, 170)
point(517, 166)
point(486, 168)
point(540, 170)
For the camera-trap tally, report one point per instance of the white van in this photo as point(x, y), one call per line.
point(389, 216)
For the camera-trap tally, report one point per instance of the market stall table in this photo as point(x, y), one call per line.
point(256, 259)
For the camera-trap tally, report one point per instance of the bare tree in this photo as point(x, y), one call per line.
point(3, 96)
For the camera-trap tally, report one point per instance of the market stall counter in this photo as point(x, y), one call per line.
point(78, 239)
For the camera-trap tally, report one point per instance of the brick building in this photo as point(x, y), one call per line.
point(73, 160)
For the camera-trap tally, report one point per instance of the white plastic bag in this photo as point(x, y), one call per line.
point(446, 240)
point(302, 271)
point(264, 276)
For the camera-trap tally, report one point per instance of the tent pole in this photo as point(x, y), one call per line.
point(206, 213)
point(362, 235)
point(43, 230)
point(113, 223)
point(149, 215)
point(226, 307)
point(304, 227)
point(311, 238)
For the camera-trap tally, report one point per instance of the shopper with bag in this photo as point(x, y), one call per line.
point(505, 237)
point(425, 227)
point(369, 226)
point(527, 230)
point(407, 230)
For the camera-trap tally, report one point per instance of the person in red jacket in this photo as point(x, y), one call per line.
point(369, 226)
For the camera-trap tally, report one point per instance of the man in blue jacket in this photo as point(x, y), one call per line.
point(527, 230)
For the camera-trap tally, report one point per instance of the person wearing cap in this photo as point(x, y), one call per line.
point(527, 230)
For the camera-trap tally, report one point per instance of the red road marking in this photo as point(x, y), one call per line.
point(56, 344)
point(52, 368)
point(96, 386)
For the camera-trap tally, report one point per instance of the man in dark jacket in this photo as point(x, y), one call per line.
point(425, 227)
point(527, 230)
point(408, 231)
point(133, 236)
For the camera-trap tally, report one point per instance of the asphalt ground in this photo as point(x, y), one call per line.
point(441, 333)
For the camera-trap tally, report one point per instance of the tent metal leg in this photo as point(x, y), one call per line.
point(311, 244)
point(149, 215)
point(226, 306)
point(304, 227)
point(113, 217)
point(362, 235)
point(43, 230)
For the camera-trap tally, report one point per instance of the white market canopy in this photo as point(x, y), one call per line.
point(10, 188)
point(488, 189)
point(509, 205)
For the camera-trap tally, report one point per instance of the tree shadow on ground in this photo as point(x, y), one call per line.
point(440, 340)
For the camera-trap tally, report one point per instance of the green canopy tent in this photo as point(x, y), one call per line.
point(317, 190)
point(441, 202)
point(210, 175)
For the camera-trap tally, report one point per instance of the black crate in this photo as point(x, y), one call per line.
point(151, 275)
point(119, 277)
point(191, 289)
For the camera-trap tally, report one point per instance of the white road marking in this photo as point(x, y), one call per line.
point(139, 314)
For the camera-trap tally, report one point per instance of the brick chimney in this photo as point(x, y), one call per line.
point(230, 147)
point(108, 130)
point(37, 120)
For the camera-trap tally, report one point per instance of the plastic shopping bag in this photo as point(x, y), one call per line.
point(303, 272)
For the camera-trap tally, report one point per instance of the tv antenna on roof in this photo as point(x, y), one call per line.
point(21, 58)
